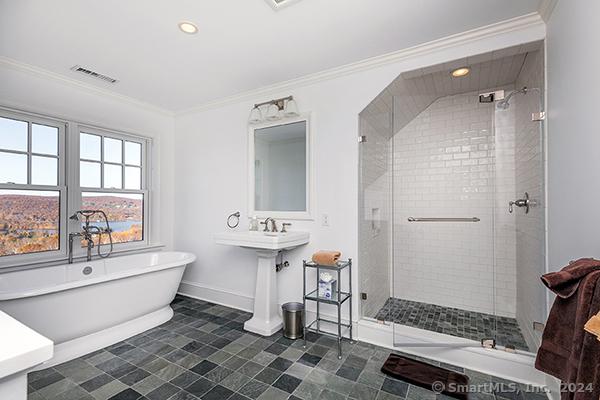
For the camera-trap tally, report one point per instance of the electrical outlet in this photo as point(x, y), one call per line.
point(325, 220)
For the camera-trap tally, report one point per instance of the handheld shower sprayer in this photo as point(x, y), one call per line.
point(89, 230)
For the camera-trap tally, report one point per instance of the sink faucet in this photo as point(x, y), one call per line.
point(87, 233)
point(273, 225)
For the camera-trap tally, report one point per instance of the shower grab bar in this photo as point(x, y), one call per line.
point(419, 219)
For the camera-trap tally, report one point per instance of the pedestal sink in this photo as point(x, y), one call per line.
point(266, 320)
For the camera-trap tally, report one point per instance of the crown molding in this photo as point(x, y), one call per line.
point(546, 8)
point(41, 72)
point(528, 21)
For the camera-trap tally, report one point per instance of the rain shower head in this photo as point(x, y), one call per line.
point(505, 103)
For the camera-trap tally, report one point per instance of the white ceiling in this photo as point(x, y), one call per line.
point(241, 44)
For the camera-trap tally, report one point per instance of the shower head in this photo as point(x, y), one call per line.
point(505, 103)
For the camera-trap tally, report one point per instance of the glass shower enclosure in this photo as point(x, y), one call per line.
point(451, 212)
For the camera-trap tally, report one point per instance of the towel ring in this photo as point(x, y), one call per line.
point(235, 224)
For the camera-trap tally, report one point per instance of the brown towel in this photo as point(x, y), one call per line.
point(566, 281)
point(323, 257)
point(593, 326)
point(567, 351)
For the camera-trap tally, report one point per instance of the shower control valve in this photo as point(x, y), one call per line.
point(524, 202)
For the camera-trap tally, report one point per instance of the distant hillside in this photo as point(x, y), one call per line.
point(30, 223)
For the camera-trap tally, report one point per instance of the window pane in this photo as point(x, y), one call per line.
point(133, 153)
point(13, 168)
point(44, 139)
point(13, 134)
point(29, 221)
point(124, 211)
point(113, 150)
point(113, 177)
point(89, 146)
point(44, 171)
point(133, 178)
point(89, 174)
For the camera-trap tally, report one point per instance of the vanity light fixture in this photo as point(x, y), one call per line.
point(285, 107)
point(460, 72)
point(188, 27)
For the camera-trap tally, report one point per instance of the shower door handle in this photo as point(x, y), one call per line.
point(524, 202)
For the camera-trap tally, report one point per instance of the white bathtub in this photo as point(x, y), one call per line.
point(81, 313)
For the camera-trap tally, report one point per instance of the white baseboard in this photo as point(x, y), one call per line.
point(218, 296)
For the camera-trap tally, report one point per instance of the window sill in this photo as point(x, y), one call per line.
point(59, 260)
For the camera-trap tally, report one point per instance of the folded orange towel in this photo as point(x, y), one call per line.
point(323, 257)
point(593, 326)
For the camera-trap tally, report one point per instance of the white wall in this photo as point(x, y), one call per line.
point(573, 63)
point(29, 90)
point(211, 172)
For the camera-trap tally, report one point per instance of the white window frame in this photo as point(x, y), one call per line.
point(70, 190)
point(76, 199)
point(29, 258)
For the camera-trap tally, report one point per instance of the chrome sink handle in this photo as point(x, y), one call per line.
point(524, 202)
point(284, 227)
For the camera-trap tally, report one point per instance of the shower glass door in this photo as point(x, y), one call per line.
point(443, 232)
point(520, 232)
point(374, 219)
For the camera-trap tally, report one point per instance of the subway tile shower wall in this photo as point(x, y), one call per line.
point(444, 165)
point(374, 218)
point(531, 295)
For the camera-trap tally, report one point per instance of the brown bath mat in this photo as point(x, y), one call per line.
point(427, 376)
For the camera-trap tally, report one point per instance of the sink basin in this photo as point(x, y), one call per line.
point(263, 240)
point(267, 245)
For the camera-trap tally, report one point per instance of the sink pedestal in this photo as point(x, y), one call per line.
point(266, 320)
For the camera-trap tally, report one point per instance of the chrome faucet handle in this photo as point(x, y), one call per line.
point(266, 226)
point(284, 226)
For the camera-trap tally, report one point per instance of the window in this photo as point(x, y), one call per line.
point(107, 171)
point(32, 185)
point(111, 177)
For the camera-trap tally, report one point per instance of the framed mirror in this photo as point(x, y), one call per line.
point(280, 169)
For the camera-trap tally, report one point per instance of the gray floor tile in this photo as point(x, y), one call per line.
point(175, 362)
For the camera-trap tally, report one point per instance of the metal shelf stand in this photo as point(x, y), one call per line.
point(338, 298)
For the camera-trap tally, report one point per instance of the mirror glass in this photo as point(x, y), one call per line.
point(280, 167)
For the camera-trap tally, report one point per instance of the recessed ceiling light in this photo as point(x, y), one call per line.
point(457, 73)
point(188, 27)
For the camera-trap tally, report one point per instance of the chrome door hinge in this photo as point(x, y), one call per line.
point(362, 139)
point(539, 116)
point(538, 326)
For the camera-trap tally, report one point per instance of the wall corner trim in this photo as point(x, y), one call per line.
point(44, 73)
point(521, 23)
point(546, 8)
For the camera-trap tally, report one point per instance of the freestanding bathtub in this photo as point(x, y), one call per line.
point(86, 306)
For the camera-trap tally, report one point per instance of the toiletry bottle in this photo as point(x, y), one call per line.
point(253, 224)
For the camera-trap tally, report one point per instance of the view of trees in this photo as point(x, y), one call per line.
point(29, 222)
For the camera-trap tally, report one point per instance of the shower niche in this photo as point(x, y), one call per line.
point(448, 148)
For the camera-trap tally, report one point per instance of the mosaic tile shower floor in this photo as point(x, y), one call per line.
point(453, 321)
point(204, 353)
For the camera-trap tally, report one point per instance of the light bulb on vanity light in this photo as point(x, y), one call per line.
point(256, 116)
point(273, 113)
point(291, 109)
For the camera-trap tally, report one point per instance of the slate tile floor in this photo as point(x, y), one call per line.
point(453, 321)
point(204, 353)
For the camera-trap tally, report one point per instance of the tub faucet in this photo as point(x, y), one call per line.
point(88, 231)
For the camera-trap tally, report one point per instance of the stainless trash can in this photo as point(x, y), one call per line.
point(293, 320)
